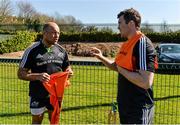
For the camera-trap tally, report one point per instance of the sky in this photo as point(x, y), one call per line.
point(105, 11)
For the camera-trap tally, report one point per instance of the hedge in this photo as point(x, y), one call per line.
point(114, 37)
point(24, 38)
point(88, 37)
point(18, 42)
point(171, 37)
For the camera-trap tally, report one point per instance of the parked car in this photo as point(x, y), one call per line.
point(168, 53)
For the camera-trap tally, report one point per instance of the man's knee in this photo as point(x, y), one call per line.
point(37, 119)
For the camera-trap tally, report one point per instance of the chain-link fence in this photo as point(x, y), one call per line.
point(90, 97)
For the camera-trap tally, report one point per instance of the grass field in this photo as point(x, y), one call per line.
point(88, 99)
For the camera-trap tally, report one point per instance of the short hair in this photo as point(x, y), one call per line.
point(48, 25)
point(45, 27)
point(131, 14)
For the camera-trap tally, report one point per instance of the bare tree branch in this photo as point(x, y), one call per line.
point(26, 10)
point(6, 8)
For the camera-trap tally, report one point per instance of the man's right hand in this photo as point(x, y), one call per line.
point(96, 52)
point(107, 62)
point(43, 77)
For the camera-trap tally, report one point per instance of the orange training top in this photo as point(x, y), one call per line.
point(56, 85)
point(124, 57)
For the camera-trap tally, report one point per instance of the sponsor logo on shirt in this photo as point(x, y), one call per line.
point(49, 61)
point(50, 57)
point(39, 56)
point(34, 104)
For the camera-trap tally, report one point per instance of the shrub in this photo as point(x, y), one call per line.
point(164, 37)
point(101, 36)
point(18, 42)
point(97, 36)
point(24, 38)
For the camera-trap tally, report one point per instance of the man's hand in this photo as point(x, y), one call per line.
point(25, 74)
point(107, 62)
point(96, 52)
point(69, 70)
point(43, 77)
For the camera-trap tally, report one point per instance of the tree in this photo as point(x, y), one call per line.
point(68, 23)
point(146, 28)
point(28, 14)
point(26, 10)
point(106, 29)
point(43, 18)
point(6, 9)
point(89, 29)
point(165, 27)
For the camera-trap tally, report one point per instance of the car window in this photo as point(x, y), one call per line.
point(170, 49)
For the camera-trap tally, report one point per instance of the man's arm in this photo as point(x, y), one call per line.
point(108, 63)
point(142, 78)
point(145, 60)
point(25, 74)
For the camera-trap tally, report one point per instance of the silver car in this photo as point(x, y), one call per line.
point(168, 53)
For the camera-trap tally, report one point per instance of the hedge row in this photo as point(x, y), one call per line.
point(171, 37)
point(91, 37)
point(114, 37)
point(88, 37)
point(24, 38)
point(18, 42)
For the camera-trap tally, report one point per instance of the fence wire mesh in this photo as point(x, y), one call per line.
point(89, 98)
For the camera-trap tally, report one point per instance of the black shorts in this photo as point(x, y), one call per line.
point(140, 116)
point(39, 105)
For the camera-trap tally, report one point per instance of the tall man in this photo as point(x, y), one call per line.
point(39, 61)
point(135, 63)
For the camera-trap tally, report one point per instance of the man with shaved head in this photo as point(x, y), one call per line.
point(39, 61)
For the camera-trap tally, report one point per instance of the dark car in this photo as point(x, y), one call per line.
point(168, 53)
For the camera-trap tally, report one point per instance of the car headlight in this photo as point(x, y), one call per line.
point(166, 59)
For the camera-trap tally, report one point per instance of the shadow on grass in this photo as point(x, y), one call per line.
point(86, 107)
point(14, 114)
point(81, 107)
point(167, 97)
point(65, 109)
